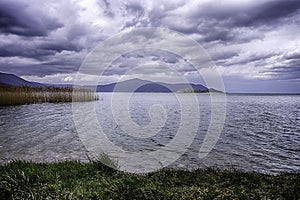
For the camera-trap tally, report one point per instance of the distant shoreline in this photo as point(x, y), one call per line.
point(262, 94)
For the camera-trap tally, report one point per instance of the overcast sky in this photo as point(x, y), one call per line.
point(254, 44)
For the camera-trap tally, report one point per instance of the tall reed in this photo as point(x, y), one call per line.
point(18, 95)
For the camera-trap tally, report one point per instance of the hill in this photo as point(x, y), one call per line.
point(11, 79)
point(139, 85)
point(136, 85)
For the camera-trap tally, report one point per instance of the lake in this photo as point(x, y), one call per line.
point(260, 133)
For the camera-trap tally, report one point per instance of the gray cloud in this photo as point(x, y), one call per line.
point(246, 13)
point(223, 22)
point(293, 56)
point(248, 39)
point(268, 12)
point(17, 18)
point(285, 72)
point(107, 11)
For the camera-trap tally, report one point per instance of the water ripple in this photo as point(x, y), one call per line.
point(261, 133)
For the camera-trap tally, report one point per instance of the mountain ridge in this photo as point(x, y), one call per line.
point(14, 80)
point(132, 85)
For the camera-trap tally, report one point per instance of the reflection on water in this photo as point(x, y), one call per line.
point(261, 133)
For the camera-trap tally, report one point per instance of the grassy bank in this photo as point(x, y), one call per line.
point(75, 180)
point(18, 95)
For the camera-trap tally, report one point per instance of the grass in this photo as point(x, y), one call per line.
point(18, 95)
point(93, 180)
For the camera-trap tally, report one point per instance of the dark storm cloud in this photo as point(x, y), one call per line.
point(291, 69)
point(274, 66)
point(54, 37)
point(221, 22)
point(32, 42)
point(139, 19)
point(60, 46)
point(40, 70)
point(17, 18)
point(35, 49)
point(285, 72)
point(28, 51)
point(268, 12)
point(293, 56)
point(247, 15)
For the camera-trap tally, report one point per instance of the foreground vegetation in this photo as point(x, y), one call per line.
point(18, 95)
point(75, 180)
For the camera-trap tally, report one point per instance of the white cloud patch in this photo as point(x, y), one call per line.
point(68, 79)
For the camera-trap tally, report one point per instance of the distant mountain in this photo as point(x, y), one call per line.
point(11, 79)
point(139, 85)
point(136, 85)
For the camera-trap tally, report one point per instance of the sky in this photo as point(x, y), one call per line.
point(255, 45)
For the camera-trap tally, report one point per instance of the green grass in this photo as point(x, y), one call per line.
point(93, 180)
point(19, 95)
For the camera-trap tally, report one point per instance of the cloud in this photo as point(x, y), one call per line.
point(107, 11)
point(239, 13)
point(146, 62)
point(231, 21)
point(247, 40)
point(20, 19)
point(68, 79)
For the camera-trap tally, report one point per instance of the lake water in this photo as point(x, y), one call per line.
point(261, 132)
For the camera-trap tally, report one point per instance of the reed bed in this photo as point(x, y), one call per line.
point(19, 95)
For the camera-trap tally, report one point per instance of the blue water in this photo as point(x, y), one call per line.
point(261, 132)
